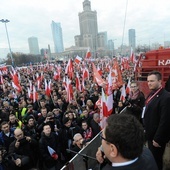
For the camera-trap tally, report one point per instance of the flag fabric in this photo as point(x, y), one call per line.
point(103, 110)
point(47, 87)
point(132, 56)
point(56, 75)
point(78, 85)
point(69, 69)
point(52, 153)
point(85, 73)
point(123, 93)
point(15, 80)
point(35, 95)
point(69, 90)
point(128, 87)
point(77, 59)
point(88, 54)
point(99, 70)
point(109, 92)
point(97, 76)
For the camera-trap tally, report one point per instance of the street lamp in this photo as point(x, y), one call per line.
point(5, 21)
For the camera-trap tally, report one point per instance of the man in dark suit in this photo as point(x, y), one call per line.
point(123, 145)
point(156, 114)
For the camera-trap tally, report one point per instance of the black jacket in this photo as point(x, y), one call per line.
point(144, 162)
point(53, 142)
point(157, 118)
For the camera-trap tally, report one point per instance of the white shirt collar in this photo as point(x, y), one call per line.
point(124, 163)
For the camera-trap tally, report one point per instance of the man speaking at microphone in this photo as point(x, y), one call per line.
point(123, 145)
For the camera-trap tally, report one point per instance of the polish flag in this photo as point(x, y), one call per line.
point(64, 83)
point(109, 92)
point(103, 111)
point(56, 75)
point(15, 80)
point(69, 69)
point(97, 76)
point(99, 70)
point(77, 59)
point(85, 73)
point(123, 93)
point(52, 153)
point(83, 85)
point(59, 70)
point(35, 95)
point(47, 87)
point(69, 91)
point(29, 92)
point(78, 85)
point(128, 87)
point(132, 57)
point(88, 54)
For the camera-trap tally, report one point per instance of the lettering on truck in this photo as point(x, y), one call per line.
point(163, 62)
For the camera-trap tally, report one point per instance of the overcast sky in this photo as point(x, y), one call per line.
point(150, 19)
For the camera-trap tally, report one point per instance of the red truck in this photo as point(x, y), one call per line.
point(158, 60)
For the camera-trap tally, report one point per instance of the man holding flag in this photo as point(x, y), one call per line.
point(49, 149)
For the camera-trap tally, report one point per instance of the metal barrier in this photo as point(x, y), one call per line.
point(78, 162)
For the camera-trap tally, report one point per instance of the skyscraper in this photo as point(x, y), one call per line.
point(57, 37)
point(88, 27)
point(33, 45)
point(132, 38)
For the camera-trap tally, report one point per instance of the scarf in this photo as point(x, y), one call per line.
point(134, 95)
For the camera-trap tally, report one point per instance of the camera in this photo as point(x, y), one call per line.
point(22, 141)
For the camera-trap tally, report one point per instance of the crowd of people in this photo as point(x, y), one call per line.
point(37, 134)
point(32, 130)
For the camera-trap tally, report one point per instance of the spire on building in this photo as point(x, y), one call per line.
point(87, 5)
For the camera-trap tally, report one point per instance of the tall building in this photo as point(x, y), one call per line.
point(57, 37)
point(166, 44)
point(102, 40)
point(33, 45)
point(110, 45)
point(132, 38)
point(88, 27)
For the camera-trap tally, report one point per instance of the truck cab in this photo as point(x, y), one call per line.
point(158, 60)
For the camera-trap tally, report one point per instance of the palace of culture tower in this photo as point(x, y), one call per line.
point(89, 36)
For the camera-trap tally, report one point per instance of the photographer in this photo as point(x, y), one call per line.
point(4, 163)
point(78, 143)
point(135, 101)
point(21, 151)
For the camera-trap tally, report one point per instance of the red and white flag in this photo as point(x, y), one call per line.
point(78, 85)
point(52, 152)
point(85, 73)
point(47, 87)
point(128, 87)
point(123, 93)
point(109, 92)
point(69, 90)
point(103, 110)
point(132, 56)
point(56, 75)
point(88, 54)
point(35, 95)
point(15, 80)
point(97, 76)
point(77, 59)
point(69, 69)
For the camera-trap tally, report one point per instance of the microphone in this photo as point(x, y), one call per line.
point(84, 155)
